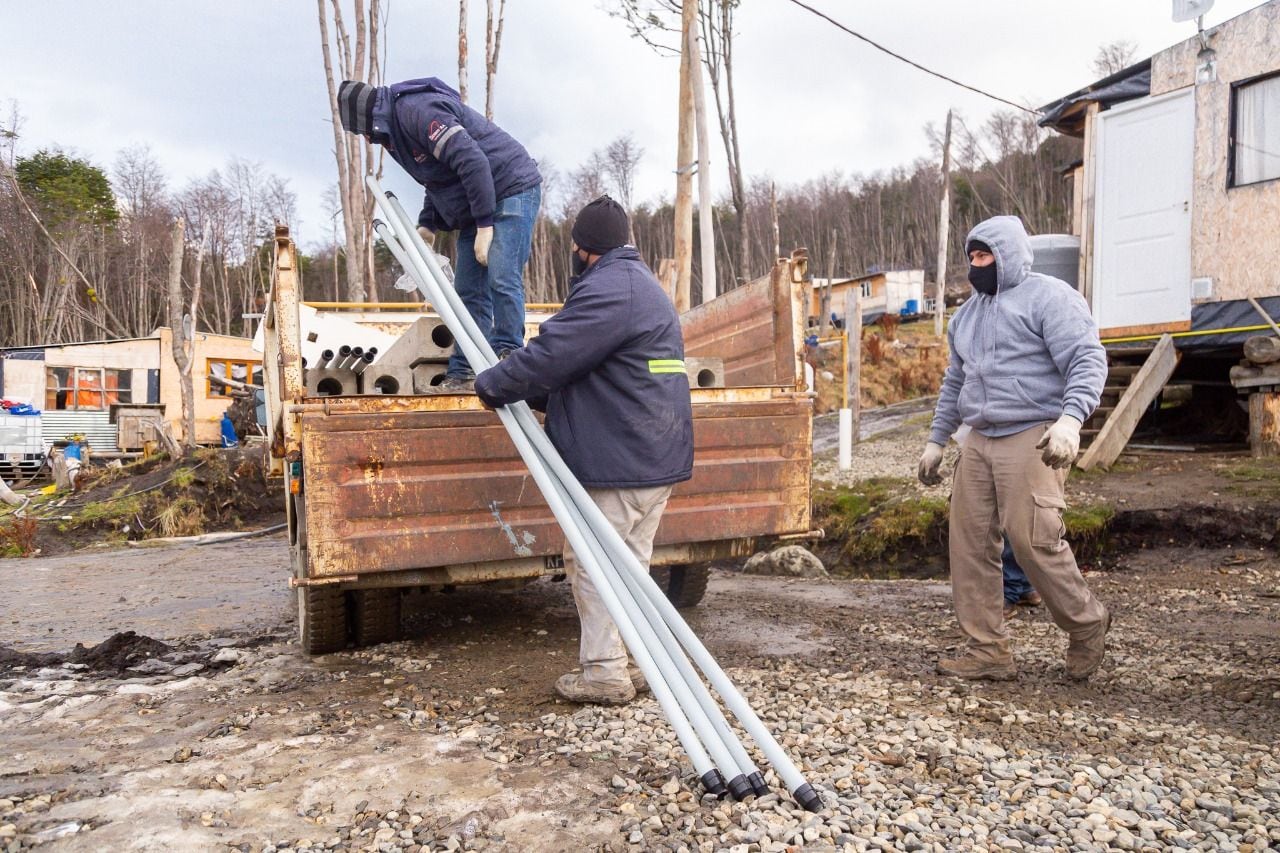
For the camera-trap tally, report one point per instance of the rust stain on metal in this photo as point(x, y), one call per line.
point(444, 468)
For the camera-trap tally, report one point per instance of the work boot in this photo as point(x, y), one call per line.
point(638, 680)
point(1010, 610)
point(1085, 653)
point(975, 668)
point(455, 385)
point(576, 688)
point(1030, 599)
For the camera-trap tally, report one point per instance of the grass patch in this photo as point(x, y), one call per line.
point(182, 517)
point(898, 527)
point(878, 519)
point(1087, 528)
point(183, 477)
point(1257, 478)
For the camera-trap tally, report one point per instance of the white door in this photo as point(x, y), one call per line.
point(1142, 231)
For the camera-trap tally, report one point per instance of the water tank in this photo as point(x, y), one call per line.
point(1057, 255)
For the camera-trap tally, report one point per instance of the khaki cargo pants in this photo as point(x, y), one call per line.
point(1001, 485)
point(635, 514)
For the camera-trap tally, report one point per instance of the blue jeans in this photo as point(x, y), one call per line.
point(494, 295)
point(1016, 584)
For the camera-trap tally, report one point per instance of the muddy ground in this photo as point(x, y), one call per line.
point(208, 730)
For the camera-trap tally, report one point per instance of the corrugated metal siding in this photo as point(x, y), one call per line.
point(96, 426)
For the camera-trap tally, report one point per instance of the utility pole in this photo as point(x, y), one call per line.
point(824, 294)
point(684, 162)
point(944, 225)
point(706, 228)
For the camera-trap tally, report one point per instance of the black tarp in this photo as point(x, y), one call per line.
point(1125, 85)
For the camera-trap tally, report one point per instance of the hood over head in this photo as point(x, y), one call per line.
point(1008, 241)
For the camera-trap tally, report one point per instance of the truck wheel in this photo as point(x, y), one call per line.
point(376, 615)
point(688, 585)
point(322, 619)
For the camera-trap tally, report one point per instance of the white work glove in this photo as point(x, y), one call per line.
point(929, 462)
point(484, 237)
point(427, 236)
point(1061, 443)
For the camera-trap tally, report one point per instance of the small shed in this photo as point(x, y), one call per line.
point(1177, 197)
point(883, 292)
point(76, 386)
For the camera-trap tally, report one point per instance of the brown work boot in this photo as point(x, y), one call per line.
point(576, 688)
point(455, 385)
point(1010, 610)
point(975, 668)
point(1085, 653)
point(1031, 599)
point(638, 680)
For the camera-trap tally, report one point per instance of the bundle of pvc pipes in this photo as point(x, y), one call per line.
point(652, 629)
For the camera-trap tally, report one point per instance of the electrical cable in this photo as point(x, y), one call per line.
point(910, 62)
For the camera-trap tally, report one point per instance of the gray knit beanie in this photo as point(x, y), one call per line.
point(355, 106)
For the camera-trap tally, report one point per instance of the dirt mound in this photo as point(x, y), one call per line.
point(206, 490)
point(114, 654)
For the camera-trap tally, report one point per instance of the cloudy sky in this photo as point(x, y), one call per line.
point(202, 81)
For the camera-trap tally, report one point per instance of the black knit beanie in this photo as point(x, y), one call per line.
point(978, 246)
point(601, 225)
point(355, 106)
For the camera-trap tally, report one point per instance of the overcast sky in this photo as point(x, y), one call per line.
point(201, 82)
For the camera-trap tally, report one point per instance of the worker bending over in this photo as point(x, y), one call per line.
point(479, 182)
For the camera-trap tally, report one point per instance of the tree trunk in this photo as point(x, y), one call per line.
point(180, 352)
point(462, 49)
point(492, 44)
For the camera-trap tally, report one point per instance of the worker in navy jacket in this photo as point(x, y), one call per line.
point(608, 369)
point(479, 181)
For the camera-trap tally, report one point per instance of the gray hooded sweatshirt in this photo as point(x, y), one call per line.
point(1024, 356)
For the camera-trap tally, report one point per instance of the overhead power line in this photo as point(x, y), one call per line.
point(913, 64)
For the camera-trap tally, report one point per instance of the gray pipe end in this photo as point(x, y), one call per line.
point(808, 798)
point(740, 788)
point(758, 784)
point(713, 783)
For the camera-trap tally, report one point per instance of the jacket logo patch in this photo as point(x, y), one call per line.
point(435, 129)
point(419, 156)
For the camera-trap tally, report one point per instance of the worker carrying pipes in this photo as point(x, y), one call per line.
point(608, 370)
point(1026, 370)
point(479, 182)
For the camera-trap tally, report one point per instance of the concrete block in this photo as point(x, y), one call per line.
point(705, 372)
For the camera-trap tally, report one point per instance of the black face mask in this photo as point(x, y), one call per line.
point(577, 265)
point(983, 279)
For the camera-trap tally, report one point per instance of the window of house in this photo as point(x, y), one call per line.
point(866, 290)
point(248, 372)
point(1255, 131)
point(86, 388)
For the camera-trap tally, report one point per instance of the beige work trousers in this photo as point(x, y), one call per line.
point(1002, 485)
point(635, 514)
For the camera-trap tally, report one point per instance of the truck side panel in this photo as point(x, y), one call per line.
point(398, 490)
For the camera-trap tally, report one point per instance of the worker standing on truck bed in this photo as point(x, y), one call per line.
point(479, 182)
point(608, 369)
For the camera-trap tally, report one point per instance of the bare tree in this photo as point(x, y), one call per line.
point(492, 45)
point(462, 49)
point(178, 330)
point(354, 155)
point(621, 156)
point(1113, 57)
point(657, 24)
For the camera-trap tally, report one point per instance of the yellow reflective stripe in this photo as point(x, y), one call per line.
point(666, 365)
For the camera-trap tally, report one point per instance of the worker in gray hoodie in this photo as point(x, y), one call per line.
point(1026, 370)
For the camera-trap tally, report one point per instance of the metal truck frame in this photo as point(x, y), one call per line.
point(384, 493)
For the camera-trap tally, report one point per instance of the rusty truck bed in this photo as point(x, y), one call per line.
point(396, 484)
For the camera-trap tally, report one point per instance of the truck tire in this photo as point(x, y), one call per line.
point(376, 616)
point(322, 619)
point(686, 584)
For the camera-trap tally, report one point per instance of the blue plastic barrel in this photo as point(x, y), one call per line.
point(912, 306)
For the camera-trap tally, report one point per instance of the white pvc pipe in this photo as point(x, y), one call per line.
point(846, 439)
point(577, 540)
point(638, 574)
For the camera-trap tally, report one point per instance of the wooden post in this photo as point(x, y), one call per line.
point(667, 277)
point(944, 226)
point(1087, 206)
point(824, 299)
point(773, 214)
point(706, 227)
point(853, 354)
point(1120, 424)
point(1264, 424)
point(684, 163)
